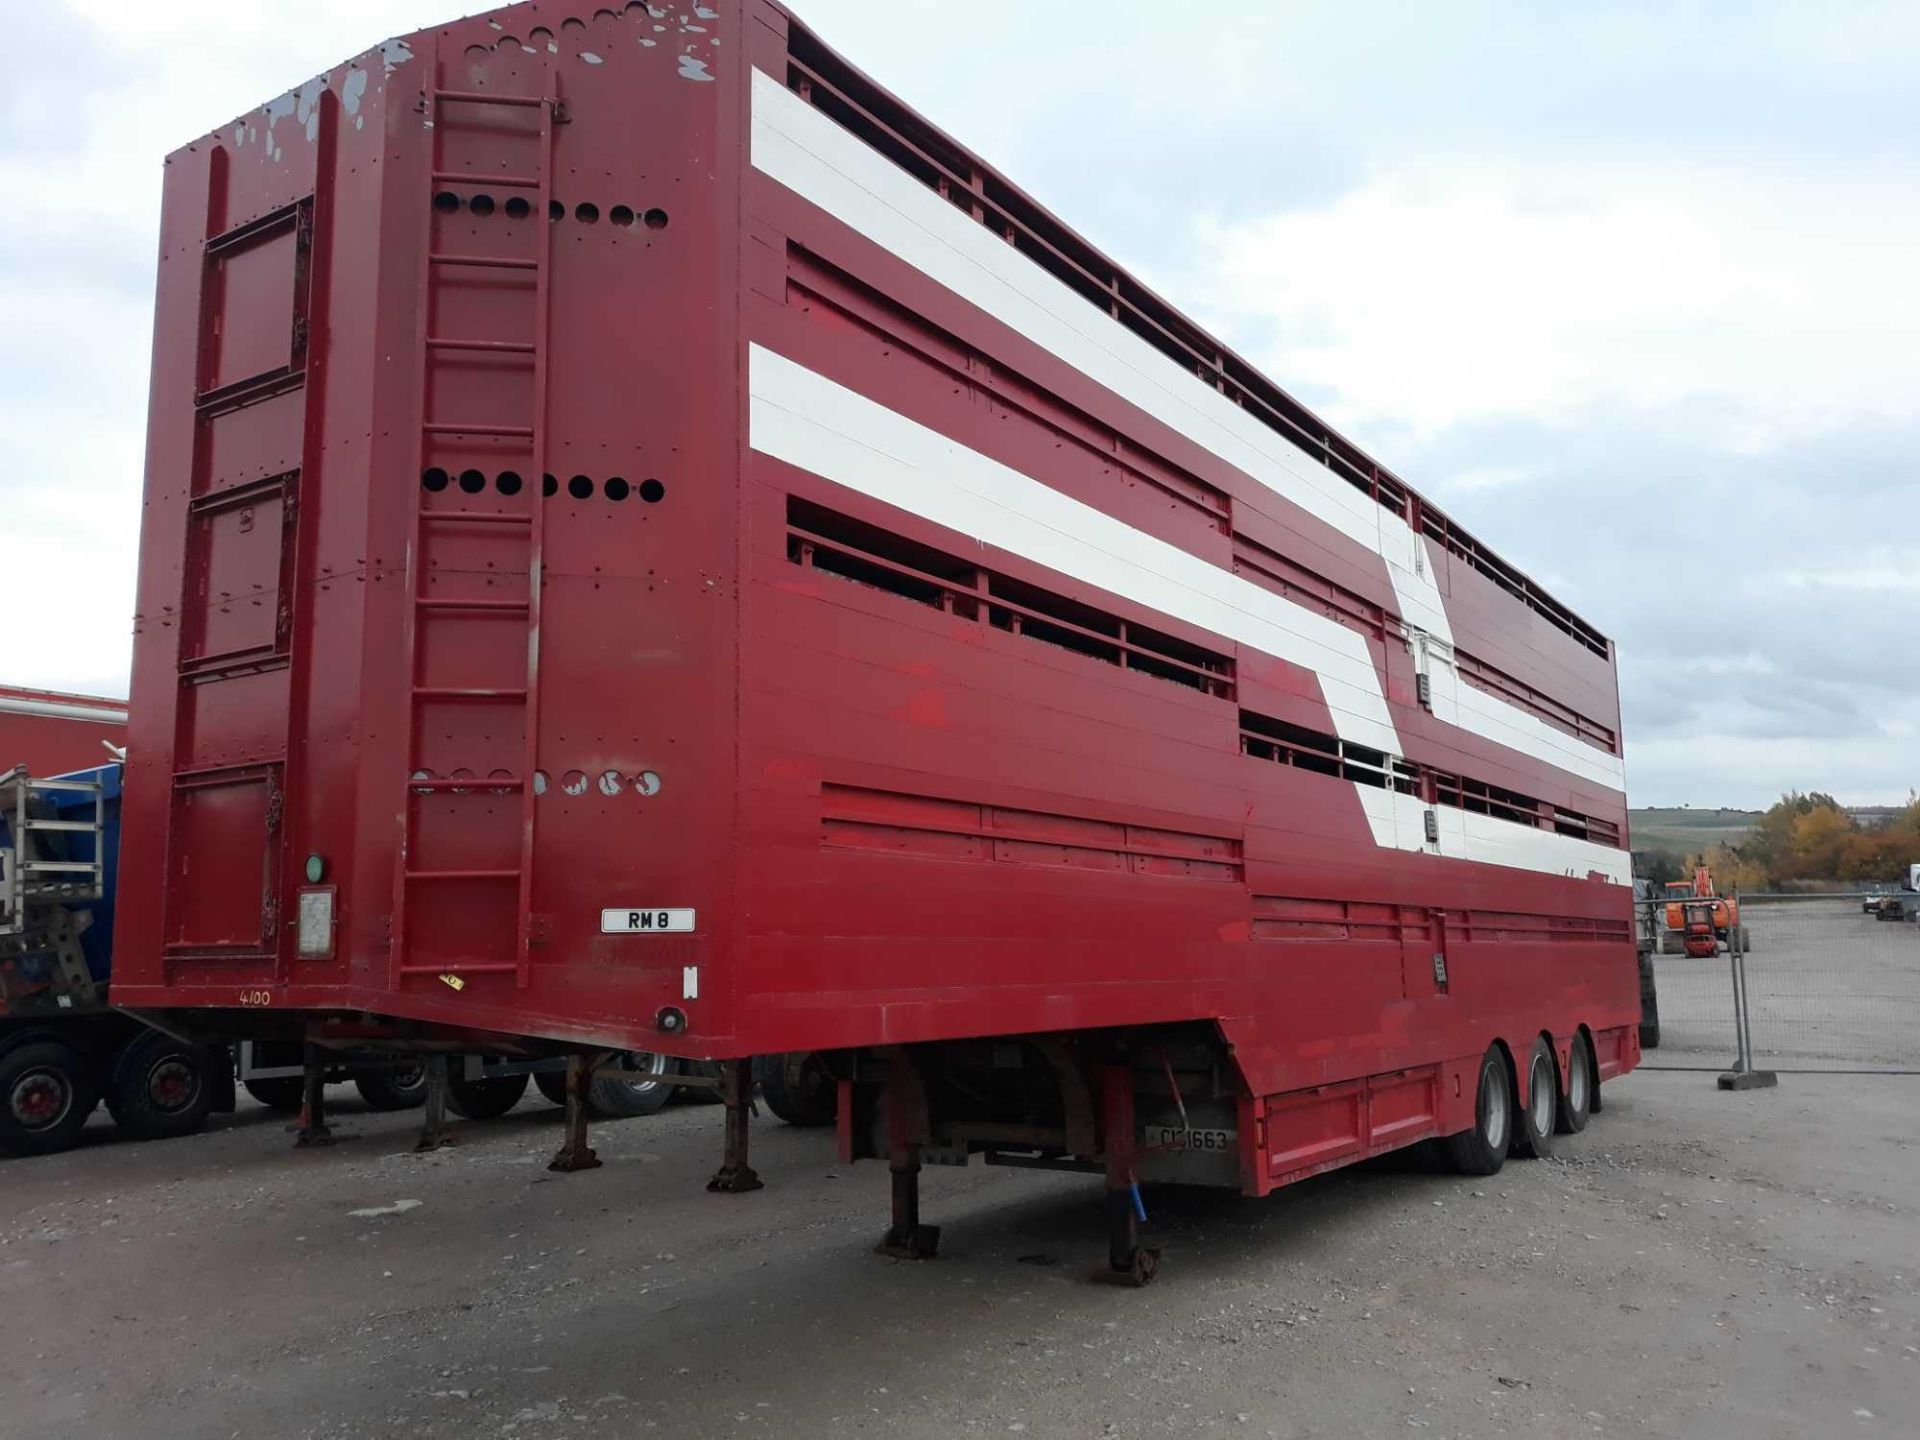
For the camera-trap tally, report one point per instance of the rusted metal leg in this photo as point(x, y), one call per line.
point(1128, 1261)
point(312, 1129)
point(735, 1176)
point(575, 1153)
point(907, 1238)
point(433, 1121)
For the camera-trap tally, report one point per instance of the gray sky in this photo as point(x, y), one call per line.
point(1626, 289)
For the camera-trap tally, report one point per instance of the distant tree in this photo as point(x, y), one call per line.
point(1658, 866)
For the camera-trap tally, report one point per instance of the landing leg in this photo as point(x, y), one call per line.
point(907, 1238)
point(1128, 1261)
point(735, 1176)
point(433, 1121)
point(575, 1152)
point(312, 1129)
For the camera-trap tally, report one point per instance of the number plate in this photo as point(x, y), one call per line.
point(1178, 1137)
point(645, 922)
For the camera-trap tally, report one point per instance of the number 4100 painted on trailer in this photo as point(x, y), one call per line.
point(645, 922)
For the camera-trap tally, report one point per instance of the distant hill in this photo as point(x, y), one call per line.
point(1687, 830)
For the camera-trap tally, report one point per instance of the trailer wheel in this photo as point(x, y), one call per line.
point(404, 1088)
point(1649, 1007)
point(282, 1093)
point(798, 1087)
point(161, 1088)
point(46, 1094)
point(1533, 1136)
point(552, 1084)
point(1483, 1149)
point(486, 1098)
point(1577, 1103)
point(646, 1093)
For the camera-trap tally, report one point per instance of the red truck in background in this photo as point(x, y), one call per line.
point(652, 545)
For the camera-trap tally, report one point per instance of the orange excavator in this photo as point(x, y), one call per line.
point(1694, 911)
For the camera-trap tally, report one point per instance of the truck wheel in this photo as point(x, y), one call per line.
point(552, 1084)
point(404, 1088)
point(648, 1092)
point(282, 1093)
point(484, 1099)
point(798, 1087)
point(1533, 1136)
point(160, 1088)
point(1649, 1008)
point(1483, 1149)
point(1577, 1104)
point(46, 1094)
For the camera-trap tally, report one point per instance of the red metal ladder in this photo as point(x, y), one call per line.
point(421, 606)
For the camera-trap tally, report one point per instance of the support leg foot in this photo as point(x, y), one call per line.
point(434, 1133)
point(907, 1238)
point(736, 1176)
point(575, 1153)
point(312, 1131)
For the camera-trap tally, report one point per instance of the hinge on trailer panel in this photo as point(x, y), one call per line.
point(273, 812)
point(1432, 821)
point(539, 929)
point(1439, 969)
point(1423, 687)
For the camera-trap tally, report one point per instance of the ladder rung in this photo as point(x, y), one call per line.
point(481, 607)
point(510, 182)
point(69, 825)
point(511, 432)
point(501, 347)
point(455, 692)
point(463, 874)
point(66, 867)
point(484, 262)
point(480, 97)
point(494, 782)
point(475, 517)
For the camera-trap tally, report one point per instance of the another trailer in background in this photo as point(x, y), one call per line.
point(63, 1048)
point(52, 731)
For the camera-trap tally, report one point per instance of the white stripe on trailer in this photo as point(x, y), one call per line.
point(819, 425)
point(804, 150)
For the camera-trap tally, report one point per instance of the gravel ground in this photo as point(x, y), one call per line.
point(1697, 1263)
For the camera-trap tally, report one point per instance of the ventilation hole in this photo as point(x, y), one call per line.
point(540, 35)
point(422, 775)
point(605, 15)
point(500, 775)
point(446, 202)
point(435, 479)
point(474, 52)
point(617, 488)
point(610, 782)
point(507, 482)
point(573, 25)
point(580, 487)
point(556, 210)
point(461, 774)
point(549, 486)
point(652, 491)
point(656, 218)
point(574, 782)
point(507, 42)
point(586, 212)
point(481, 205)
point(620, 215)
point(539, 782)
point(646, 783)
point(472, 481)
point(517, 208)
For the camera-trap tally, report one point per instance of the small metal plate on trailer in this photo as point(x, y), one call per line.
point(315, 929)
point(1179, 1137)
point(637, 921)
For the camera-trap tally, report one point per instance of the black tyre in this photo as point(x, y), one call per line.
point(47, 1090)
point(161, 1087)
point(798, 1087)
point(1483, 1149)
point(484, 1099)
point(282, 1093)
point(1649, 1008)
point(1576, 1104)
point(552, 1084)
point(398, 1088)
point(645, 1094)
point(1533, 1135)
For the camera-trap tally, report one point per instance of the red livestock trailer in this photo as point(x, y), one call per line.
point(53, 731)
point(652, 545)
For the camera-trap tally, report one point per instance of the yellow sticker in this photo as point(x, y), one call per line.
point(454, 981)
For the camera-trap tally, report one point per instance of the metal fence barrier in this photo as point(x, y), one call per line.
point(1832, 984)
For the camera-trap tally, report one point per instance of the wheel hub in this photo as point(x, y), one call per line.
point(39, 1100)
point(172, 1085)
point(1540, 1095)
point(1496, 1112)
